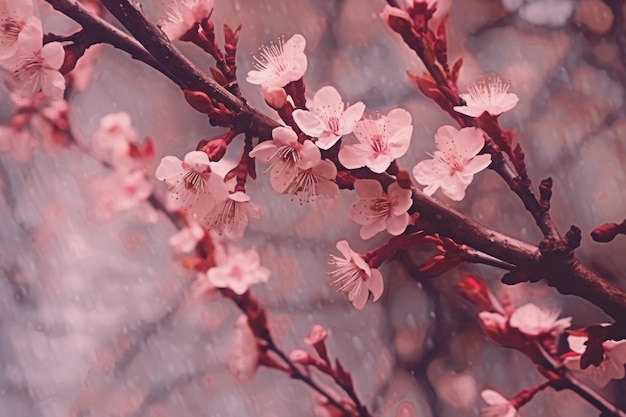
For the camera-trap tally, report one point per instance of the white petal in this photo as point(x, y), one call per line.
point(350, 118)
point(328, 101)
point(309, 155)
point(477, 164)
point(368, 188)
point(170, 166)
point(397, 224)
point(197, 160)
point(53, 55)
point(469, 141)
point(264, 151)
point(376, 284)
point(352, 157)
point(285, 136)
point(309, 123)
point(53, 84)
point(360, 298)
point(370, 230)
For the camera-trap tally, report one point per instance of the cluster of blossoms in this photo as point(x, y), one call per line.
point(34, 66)
point(128, 187)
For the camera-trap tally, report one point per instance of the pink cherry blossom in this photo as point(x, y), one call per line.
point(186, 239)
point(487, 95)
point(317, 335)
point(243, 356)
point(379, 141)
point(280, 63)
point(231, 213)
point(376, 210)
point(611, 367)
point(353, 276)
point(318, 180)
point(183, 15)
point(115, 133)
point(35, 66)
point(122, 191)
point(190, 181)
point(14, 15)
point(328, 119)
point(536, 321)
point(497, 405)
point(286, 155)
point(454, 163)
point(237, 269)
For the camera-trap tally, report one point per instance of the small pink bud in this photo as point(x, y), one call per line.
point(317, 334)
point(300, 356)
point(275, 97)
point(476, 291)
point(215, 149)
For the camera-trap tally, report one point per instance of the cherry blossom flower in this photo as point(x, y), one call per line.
point(280, 63)
point(35, 67)
point(536, 321)
point(328, 119)
point(286, 155)
point(497, 405)
point(454, 163)
point(14, 16)
point(318, 180)
point(376, 210)
point(487, 95)
point(190, 181)
point(353, 276)
point(186, 239)
point(611, 367)
point(237, 269)
point(379, 141)
point(231, 214)
point(317, 335)
point(243, 356)
point(122, 191)
point(115, 133)
point(184, 15)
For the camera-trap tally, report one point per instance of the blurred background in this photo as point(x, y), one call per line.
point(95, 314)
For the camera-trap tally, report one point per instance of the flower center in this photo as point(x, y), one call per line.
point(9, 30)
point(272, 58)
point(304, 184)
point(379, 143)
point(194, 182)
point(349, 278)
point(380, 206)
point(333, 124)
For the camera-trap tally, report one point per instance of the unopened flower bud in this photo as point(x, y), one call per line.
point(215, 149)
point(275, 97)
point(300, 356)
point(476, 291)
point(607, 232)
point(317, 338)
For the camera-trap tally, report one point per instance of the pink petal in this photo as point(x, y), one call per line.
point(506, 102)
point(217, 188)
point(344, 247)
point(309, 123)
point(53, 84)
point(285, 136)
point(376, 284)
point(170, 166)
point(471, 111)
point(359, 299)
point(327, 189)
point(309, 155)
point(399, 142)
point(197, 161)
point(370, 230)
point(325, 169)
point(30, 38)
point(326, 140)
point(400, 197)
point(350, 118)
point(254, 76)
point(493, 398)
point(399, 118)
point(379, 164)
point(239, 197)
point(296, 43)
point(53, 55)
point(429, 172)
point(282, 175)
point(469, 141)
point(264, 151)
point(477, 164)
point(397, 224)
point(368, 188)
point(361, 212)
point(445, 140)
point(577, 343)
point(454, 187)
point(328, 101)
